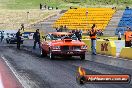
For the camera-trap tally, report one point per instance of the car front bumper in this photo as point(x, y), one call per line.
point(64, 53)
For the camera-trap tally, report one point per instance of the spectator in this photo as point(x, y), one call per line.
point(88, 32)
point(56, 8)
point(65, 28)
point(41, 6)
point(93, 33)
point(18, 36)
point(127, 7)
point(114, 8)
point(77, 34)
point(73, 31)
point(2, 36)
point(57, 29)
point(119, 35)
point(61, 28)
point(128, 37)
point(98, 32)
point(36, 38)
point(80, 33)
point(70, 31)
point(22, 27)
point(101, 32)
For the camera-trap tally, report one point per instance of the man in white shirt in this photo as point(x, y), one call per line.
point(119, 35)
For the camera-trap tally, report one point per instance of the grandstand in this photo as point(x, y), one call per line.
point(79, 19)
point(125, 21)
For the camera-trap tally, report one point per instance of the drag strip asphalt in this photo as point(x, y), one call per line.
point(7, 78)
point(41, 72)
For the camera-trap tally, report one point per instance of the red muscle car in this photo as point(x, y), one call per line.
point(62, 44)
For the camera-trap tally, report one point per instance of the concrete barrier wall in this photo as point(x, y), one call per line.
point(102, 47)
point(126, 52)
point(119, 45)
point(106, 47)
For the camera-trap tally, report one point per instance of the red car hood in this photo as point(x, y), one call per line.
point(67, 43)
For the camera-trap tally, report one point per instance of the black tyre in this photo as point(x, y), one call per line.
point(43, 53)
point(82, 57)
point(51, 55)
point(7, 41)
point(69, 56)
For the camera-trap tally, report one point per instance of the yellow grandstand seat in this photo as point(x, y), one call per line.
point(77, 18)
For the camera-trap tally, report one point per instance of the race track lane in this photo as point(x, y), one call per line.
point(7, 78)
point(41, 72)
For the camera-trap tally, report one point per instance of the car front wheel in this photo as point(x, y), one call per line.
point(82, 57)
point(51, 55)
point(43, 53)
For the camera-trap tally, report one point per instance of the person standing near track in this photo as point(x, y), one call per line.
point(36, 38)
point(93, 33)
point(119, 35)
point(61, 28)
point(128, 37)
point(18, 36)
point(2, 35)
point(22, 27)
point(77, 34)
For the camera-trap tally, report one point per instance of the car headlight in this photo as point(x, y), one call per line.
point(56, 47)
point(84, 47)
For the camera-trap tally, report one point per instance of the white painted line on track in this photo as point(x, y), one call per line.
point(1, 82)
point(13, 70)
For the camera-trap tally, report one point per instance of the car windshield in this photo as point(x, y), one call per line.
point(59, 37)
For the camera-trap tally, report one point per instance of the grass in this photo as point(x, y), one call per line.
point(27, 4)
point(12, 19)
point(63, 4)
point(14, 12)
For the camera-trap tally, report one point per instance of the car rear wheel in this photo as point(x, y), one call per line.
point(51, 55)
point(43, 53)
point(82, 57)
point(7, 41)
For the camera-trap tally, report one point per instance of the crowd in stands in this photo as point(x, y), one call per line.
point(62, 29)
point(77, 32)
